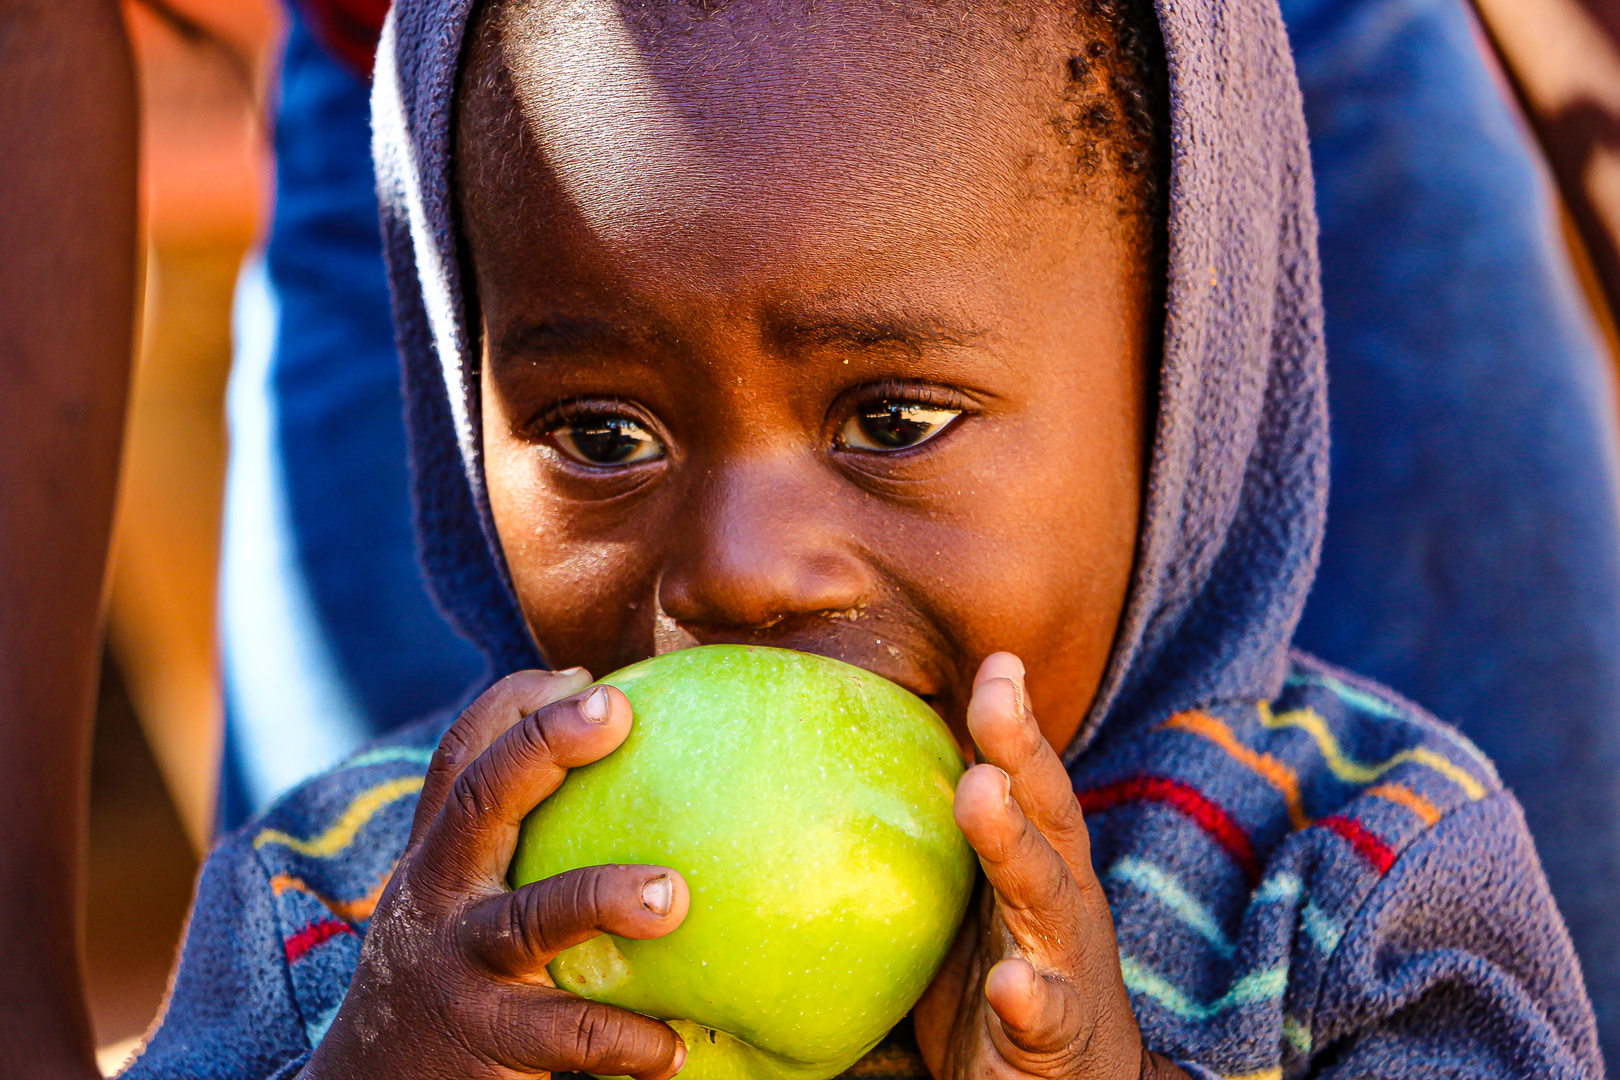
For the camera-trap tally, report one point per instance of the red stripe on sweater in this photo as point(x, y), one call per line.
point(1186, 799)
point(313, 934)
point(1368, 846)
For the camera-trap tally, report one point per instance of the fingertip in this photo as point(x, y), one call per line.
point(995, 702)
point(663, 899)
point(1013, 990)
point(665, 895)
point(1000, 665)
point(983, 802)
point(534, 689)
point(618, 702)
point(587, 725)
point(677, 1061)
point(984, 784)
point(597, 705)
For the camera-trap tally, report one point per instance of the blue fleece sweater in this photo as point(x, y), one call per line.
point(1309, 877)
point(1330, 884)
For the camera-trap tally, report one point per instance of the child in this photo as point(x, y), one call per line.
point(830, 324)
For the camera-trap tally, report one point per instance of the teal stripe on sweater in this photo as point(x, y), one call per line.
point(1257, 986)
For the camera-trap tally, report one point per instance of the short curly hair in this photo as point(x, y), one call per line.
point(1110, 121)
point(1120, 77)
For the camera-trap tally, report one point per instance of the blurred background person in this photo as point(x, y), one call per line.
point(67, 310)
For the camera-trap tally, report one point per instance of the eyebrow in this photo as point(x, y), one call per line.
point(572, 337)
point(880, 333)
point(588, 338)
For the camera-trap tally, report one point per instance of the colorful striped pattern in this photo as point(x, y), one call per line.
point(316, 933)
point(1352, 771)
point(342, 832)
point(1411, 800)
point(1368, 846)
point(1203, 811)
point(1285, 780)
point(1159, 883)
point(1264, 985)
point(357, 910)
point(1167, 889)
point(387, 755)
point(1274, 772)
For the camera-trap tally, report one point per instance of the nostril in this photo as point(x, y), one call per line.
point(759, 547)
point(734, 592)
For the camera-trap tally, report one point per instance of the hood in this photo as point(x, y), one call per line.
point(1237, 483)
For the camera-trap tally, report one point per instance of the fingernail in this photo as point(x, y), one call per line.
point(596, 706)
point(1018, 697)
point(680, 1054)
point(569, 671)
point(658, 895)
point(1006, 784)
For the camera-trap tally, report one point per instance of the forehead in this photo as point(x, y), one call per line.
point(776, 123)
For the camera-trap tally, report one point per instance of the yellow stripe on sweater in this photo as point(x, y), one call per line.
point(354, 817)
point(1352, 771)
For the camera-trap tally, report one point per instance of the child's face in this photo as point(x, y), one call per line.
point(802, 331)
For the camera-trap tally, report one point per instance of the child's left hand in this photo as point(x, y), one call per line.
point(1032, 987)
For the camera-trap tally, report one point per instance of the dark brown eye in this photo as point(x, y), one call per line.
point(605, 441)
point(887, 426)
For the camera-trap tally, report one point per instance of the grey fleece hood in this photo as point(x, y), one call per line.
point(1237, 486)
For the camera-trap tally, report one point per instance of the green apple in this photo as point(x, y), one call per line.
point(808, 804)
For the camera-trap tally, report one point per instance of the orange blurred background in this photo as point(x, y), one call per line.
point(205, 193)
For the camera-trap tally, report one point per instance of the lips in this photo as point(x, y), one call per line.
point(863, 642)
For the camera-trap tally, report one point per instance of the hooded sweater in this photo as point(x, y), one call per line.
point(1308, 875)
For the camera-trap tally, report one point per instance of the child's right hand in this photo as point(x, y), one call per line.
point(452, 981)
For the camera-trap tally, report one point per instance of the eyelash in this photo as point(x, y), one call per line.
point(905, 393)
point(576, 412)
point(925, 404)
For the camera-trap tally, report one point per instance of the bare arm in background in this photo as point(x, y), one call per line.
point(67, 306)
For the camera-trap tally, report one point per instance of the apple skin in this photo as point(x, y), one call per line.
point(808, 804)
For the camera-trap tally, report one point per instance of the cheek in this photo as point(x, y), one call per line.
point(1031, 549)
point(579, 574)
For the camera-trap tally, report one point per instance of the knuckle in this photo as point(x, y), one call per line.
point(524, 928)
point(534, 742)
point(468, 792)
point(583, 1035)
point(453, 753)
point(564, 908)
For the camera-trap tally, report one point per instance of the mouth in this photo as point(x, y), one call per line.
point(883, 654)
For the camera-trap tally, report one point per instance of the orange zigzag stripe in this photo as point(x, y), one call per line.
point(1274, 772)
point(1283, 778)
point(355, 911)
point(1401, 796)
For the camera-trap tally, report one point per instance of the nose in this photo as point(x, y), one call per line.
point(764, 544)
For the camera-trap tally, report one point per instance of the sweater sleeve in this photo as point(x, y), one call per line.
point(1458, 964)
point(231, 1013)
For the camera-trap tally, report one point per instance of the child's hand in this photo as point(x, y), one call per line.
point(1032, 987)
point(452, 981)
